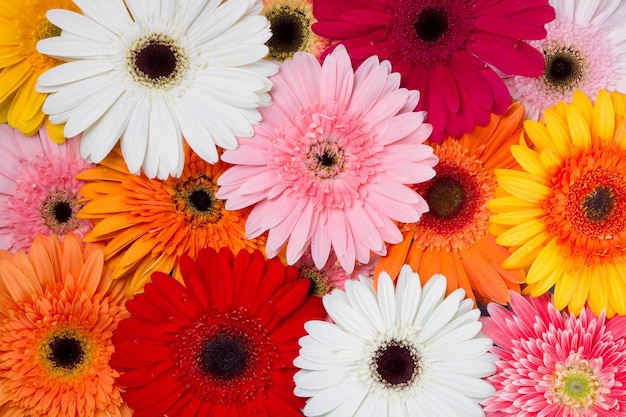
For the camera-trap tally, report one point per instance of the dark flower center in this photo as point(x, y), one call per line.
point(156, 60)
point(563, 68)
point(224, 357)
point(66, 352)
point(201, 200)
point(599, 204)
point(431, 24)
point(445, 197)
point(289, 29)
point(62, 211)
point(396, 364)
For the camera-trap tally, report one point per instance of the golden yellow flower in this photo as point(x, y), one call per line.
point(22, 24)
point(564, 214)
point(452, 237)
point(148, 224)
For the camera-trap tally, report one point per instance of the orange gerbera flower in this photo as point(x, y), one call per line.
point(452, 237)
point(58, 310)
point(148, 224)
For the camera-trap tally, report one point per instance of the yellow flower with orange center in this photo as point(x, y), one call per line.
point(148, 224)
point(452, 237)
point(58, 310)
point(22, 24)
point(564, 215)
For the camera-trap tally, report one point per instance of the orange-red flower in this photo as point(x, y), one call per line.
point(452, 237)
point(58, 309)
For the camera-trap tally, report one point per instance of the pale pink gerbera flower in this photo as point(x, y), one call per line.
point(554, 364)
point(585, 49)
point(38, 191)
point(329, 164)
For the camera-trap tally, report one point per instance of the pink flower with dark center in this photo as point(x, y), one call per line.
point(446, 49)
point(554, 364)
point(330, 165)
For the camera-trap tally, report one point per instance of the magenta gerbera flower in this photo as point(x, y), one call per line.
point(38, 191)
point(328, 167)
point(554, 364)
point(445, 49)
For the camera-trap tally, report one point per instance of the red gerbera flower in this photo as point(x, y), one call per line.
point(441, 48)
point(222, 344)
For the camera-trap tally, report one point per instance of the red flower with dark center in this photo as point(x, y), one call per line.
point(220, 344)
point(446, 49)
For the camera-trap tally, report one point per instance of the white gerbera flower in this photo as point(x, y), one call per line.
point(585, 49)
point(408, 352)
point(149, 72)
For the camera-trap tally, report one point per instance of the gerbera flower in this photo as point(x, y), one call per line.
point(555, 364)
point(38, 191)
point(148, 224)
point(290, 22)
point(441, 48)
point(329, 161)
point(331, 275)
point(564, 215)
point(22, 25)
point(452, 237)
point(58, 309)
point(395, 352)
point(585, 49)
point(221, 345)
point(149, 73)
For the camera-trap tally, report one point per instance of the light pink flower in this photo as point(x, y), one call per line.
point(329, 164)
point(38, 191)
point(554, 364)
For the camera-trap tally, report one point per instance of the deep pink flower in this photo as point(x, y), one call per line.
point(329, 164)
point(554, 364)
point(445, 49)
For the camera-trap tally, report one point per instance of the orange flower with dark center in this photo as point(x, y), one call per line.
point(147, 224)
point(452, 237)
point(58, 310)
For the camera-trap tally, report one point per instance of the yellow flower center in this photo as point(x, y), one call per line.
point(575, 386)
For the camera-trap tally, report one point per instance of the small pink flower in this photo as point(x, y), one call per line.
point(554, 364)
point(330, 163)
point(38, 191)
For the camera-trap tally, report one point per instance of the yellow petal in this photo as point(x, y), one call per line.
point(603, 121)
point(560, 134)
point(506, 204)
point(547, 261)
point(550, 159)
point(55, 131)
point(583, 104)
point(538, 134)
point(529, 160)
point(522, 233)
point(598, 292)
point(581, 134)
point(523, 185)
point(565, 288)
point(526, 253)
point(516, 217)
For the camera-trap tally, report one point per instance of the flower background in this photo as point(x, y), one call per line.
point(313, 208)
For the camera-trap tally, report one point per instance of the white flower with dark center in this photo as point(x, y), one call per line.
point(151, 72)
point(585, 49)
point(404, 352)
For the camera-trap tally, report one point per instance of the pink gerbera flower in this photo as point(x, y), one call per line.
point(328, 165)
point(441, 48)
point(554, 364)
point(38, 191)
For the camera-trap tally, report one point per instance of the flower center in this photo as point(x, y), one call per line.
point(575, 385)
point(321, 284)
point(445, 197)
point(599, 204)
point(564, 68)
point(47, 30)
point(58, 212)
point(431, 24)
point(325, 159)
point(66, 352)
point(289, 32)
point(62, 211)
point(157, 61)
point(395, 364)
point(224, 356)
point(196, 199)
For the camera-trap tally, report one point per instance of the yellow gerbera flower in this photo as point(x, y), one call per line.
point(22, 24)
point(148, 224)
point(452, 237)
point(564, 214)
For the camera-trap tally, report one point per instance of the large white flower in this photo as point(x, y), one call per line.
point(585, 49)
point(408, 352)
point(150, 72)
